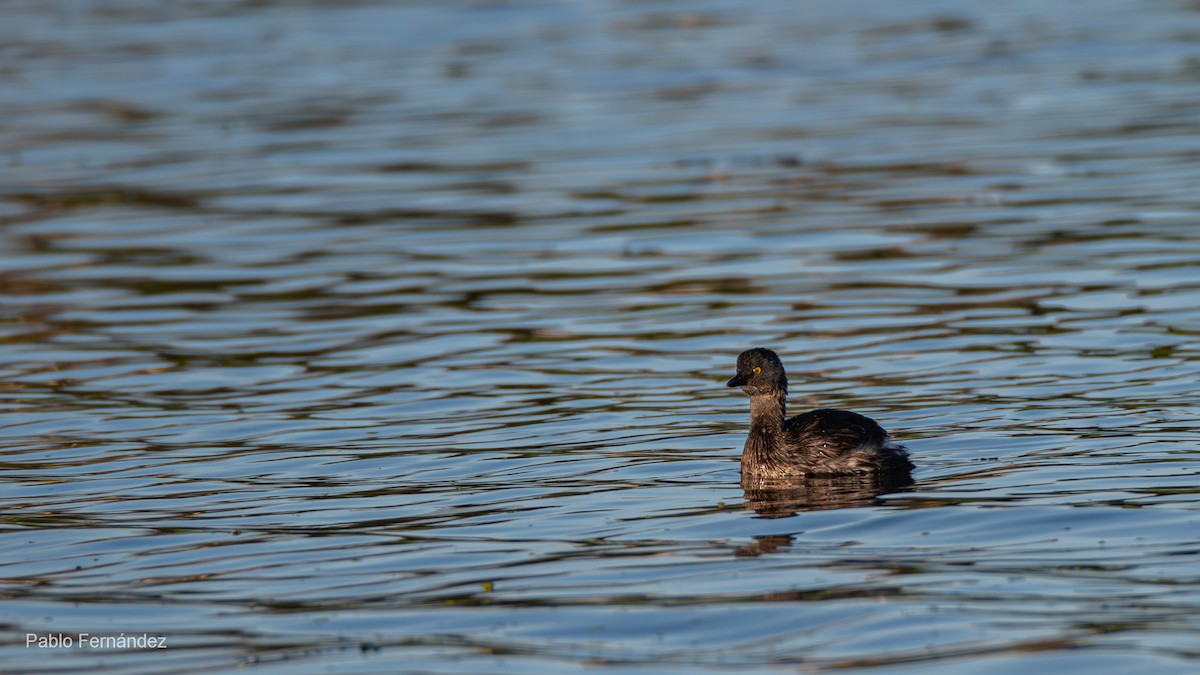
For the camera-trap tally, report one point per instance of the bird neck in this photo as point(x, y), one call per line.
point(765, 441)
point(767, 411)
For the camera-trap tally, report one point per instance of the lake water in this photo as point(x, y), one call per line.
point(375, 336)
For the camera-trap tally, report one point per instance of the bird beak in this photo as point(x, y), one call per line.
point(738, 380)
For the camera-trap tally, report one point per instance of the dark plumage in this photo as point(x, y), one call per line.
point(821, 442)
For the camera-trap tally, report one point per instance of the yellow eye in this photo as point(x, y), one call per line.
point(757, 370)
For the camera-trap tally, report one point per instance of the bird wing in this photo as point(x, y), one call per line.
point(830, 432)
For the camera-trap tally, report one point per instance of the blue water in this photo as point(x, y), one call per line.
point(376, 336)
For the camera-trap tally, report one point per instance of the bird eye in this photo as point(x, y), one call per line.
point(757, 370)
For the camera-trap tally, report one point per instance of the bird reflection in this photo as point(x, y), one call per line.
point(780, 498)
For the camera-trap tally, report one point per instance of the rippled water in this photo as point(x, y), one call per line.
point(380, 336)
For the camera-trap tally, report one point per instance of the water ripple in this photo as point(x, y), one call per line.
point(392, 336)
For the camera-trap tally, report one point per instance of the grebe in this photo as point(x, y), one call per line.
point(823, 442)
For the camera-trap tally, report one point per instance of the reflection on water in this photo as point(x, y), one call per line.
point(381, 336)
point(785, 497)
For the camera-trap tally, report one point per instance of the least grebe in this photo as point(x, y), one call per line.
point(821, 442)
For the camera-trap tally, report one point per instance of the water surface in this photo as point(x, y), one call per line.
point(379, 336)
